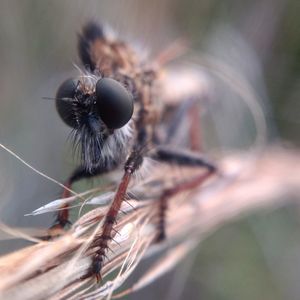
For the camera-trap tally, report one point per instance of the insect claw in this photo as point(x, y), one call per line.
point(98, 277)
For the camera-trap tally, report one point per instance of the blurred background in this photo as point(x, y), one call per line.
point(255, 258)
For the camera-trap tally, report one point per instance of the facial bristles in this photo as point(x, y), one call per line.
point(87, 80)
point(70, 100)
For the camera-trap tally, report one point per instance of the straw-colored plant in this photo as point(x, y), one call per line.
point(53, 269)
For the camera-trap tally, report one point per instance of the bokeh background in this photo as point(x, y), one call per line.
point(255, 258)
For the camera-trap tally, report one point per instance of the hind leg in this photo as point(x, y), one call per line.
point(179, 158)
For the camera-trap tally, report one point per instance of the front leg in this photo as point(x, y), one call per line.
point(62, 217)
point(101, 242)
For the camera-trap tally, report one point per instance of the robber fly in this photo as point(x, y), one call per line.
point(115, 107)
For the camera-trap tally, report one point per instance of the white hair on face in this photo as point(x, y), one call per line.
point(87, 79)
point(117, 146)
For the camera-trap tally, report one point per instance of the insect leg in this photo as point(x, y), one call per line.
point(195, 127)
point(101, 242)
point(189, 112)
point(180, 158)
point(178, 118)
point(62, 218)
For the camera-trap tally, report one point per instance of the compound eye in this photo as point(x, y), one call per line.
point(114, 103)
point(64, 101)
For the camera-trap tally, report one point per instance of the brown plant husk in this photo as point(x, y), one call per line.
point(53, 269)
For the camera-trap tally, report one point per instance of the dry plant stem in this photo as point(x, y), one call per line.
point(52, 270)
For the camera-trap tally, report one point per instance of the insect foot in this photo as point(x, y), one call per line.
point(101, 242)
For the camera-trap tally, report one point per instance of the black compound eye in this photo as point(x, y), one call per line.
point(114, 103)
point(64, 104)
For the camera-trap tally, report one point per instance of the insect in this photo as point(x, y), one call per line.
point(115, 108)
